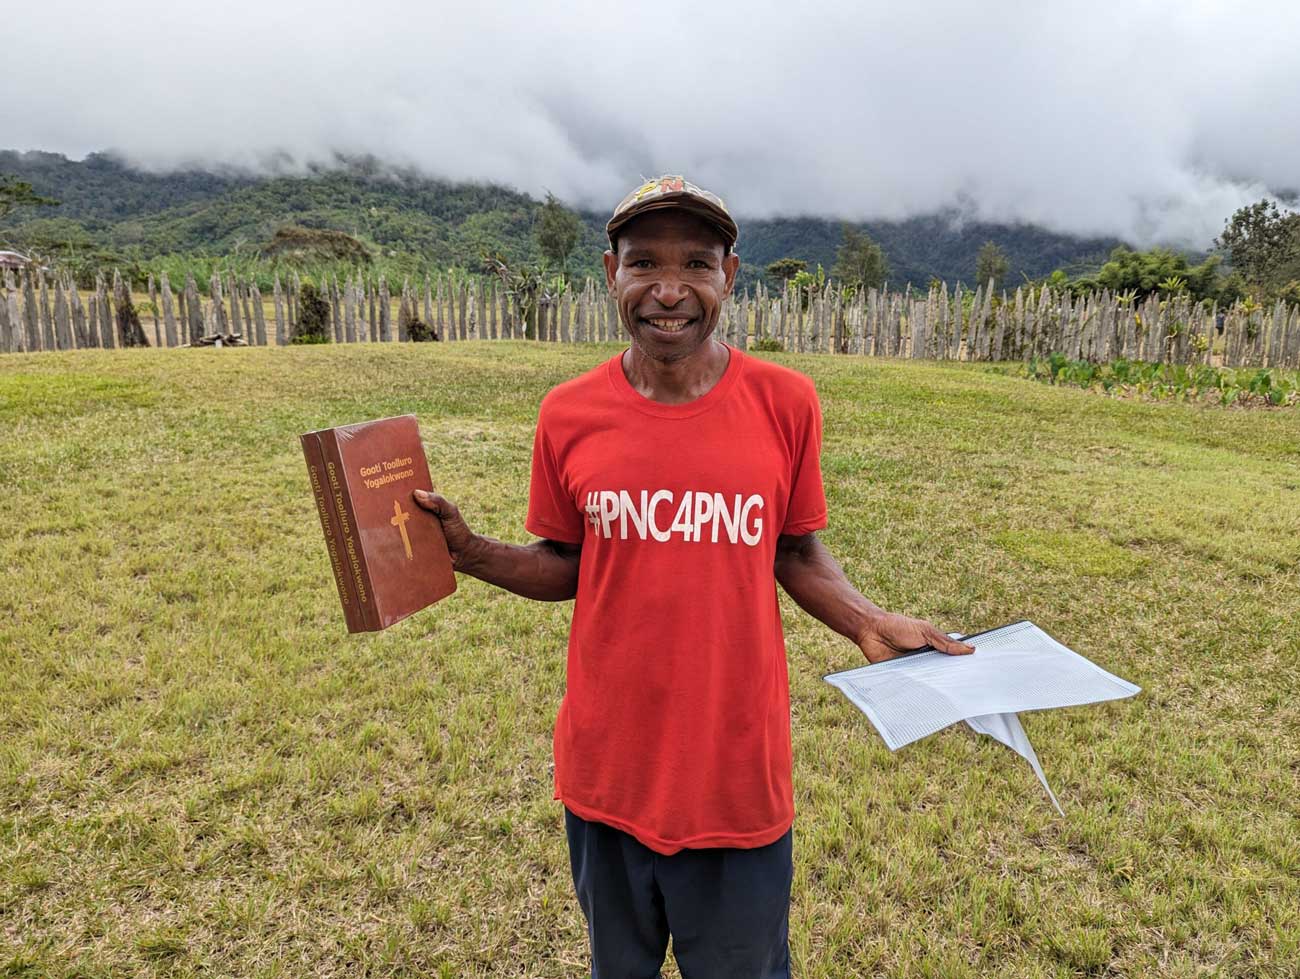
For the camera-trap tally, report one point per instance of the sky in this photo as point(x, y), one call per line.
point(1150, 120)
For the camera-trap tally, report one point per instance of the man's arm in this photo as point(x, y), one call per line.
point(813, 578)
point(546, 570)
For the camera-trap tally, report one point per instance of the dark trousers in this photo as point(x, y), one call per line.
point(727, 910)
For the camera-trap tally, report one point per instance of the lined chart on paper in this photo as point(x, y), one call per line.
point(1014, 668)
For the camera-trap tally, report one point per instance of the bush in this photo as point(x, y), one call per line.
point(1262, 387)
point(313, 324)
point(420, 331)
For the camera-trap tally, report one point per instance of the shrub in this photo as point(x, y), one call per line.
point(313, 324)
point(420, 331)
point(1241, 386)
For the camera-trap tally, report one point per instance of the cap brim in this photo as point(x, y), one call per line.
point(719, 220)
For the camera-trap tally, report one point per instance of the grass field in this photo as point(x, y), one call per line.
point(201, 775)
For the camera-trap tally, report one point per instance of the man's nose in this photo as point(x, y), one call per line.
point(669, 290)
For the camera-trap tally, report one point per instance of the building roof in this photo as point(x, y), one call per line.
point(14, 260)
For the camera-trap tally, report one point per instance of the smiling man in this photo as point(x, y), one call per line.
point(672, 488)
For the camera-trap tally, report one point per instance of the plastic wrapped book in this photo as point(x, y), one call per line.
point(1016, 667)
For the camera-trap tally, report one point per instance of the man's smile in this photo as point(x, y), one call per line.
point(667, 324)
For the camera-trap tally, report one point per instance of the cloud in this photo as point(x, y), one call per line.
point(1148, 120)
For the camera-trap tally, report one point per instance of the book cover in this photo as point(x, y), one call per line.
point(394, 557)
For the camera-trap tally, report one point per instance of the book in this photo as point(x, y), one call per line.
point(388, 558)
point(330, 526)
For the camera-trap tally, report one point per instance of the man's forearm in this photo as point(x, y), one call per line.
point(811, 576)
point(544, 570)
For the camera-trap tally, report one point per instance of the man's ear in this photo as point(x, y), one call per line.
point(611, 268)
point(730, 266)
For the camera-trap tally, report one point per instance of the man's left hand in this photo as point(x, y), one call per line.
point(888, 635)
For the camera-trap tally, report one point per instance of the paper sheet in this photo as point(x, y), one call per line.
point(1016, 667)
point(1006, 728)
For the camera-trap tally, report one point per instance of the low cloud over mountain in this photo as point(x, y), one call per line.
point(1150, 121)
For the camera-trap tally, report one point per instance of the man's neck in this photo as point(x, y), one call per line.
point(678, 381)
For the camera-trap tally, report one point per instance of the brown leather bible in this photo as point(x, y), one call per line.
point(388, 557)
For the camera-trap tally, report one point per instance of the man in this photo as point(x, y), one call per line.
point(672, 488)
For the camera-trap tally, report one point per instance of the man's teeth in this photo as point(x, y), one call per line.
point(669, 325)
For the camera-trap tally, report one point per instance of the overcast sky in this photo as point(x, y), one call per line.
point(1150, 120)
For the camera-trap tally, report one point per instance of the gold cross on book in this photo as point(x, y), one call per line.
point(398, 520)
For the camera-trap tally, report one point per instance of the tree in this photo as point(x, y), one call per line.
point(859, 262)
point(557, 231)
point(15, 193)
point(991, 264)
point(785, 269)
point(806, 284)
point(1159, 270)
point(525, 284)
point(1263, 244)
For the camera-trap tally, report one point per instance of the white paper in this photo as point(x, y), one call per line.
point(1006, 729)
point(1014, 668)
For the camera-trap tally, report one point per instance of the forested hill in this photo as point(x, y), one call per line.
point(111, 209)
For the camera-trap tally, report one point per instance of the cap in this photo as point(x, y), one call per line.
point(673, 191)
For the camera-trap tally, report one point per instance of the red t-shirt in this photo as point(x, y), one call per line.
point(675, 725)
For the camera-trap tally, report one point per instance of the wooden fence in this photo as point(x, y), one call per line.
point(42, 311)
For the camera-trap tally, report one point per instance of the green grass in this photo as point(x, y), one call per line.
point(202, 775)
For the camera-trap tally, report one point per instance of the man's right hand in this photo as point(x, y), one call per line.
point(460, 539)
point(546, 570)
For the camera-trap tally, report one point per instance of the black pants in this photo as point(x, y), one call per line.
point(727, 910)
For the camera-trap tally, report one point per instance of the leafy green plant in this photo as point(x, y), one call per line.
point(1182, 382)
point(808, 284)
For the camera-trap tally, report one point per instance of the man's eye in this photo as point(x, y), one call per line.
point(641, 263)
point(697, 263)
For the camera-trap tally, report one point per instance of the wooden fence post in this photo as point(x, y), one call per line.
point(47, 316)
point(107, 336)
point(7, 333)
point(259, 314)
point(480, 306)
point(278, 299)
point(168, 310)
point(62, 319)
point(349, 311)
point(246, 312)
point(440, 329)
point(31, 321)
point(235, 322)
point(405, 312)
point(462, 310)
point(195, 309)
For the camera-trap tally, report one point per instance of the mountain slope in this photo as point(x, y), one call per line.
point(108, 205)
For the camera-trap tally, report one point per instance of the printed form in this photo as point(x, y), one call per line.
point(1016, 667)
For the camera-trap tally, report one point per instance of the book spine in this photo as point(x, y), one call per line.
point(354, 558)
point(329, 524)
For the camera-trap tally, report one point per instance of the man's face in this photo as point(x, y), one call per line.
point(669, 277)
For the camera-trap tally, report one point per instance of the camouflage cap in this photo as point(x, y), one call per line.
point(673, 191)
